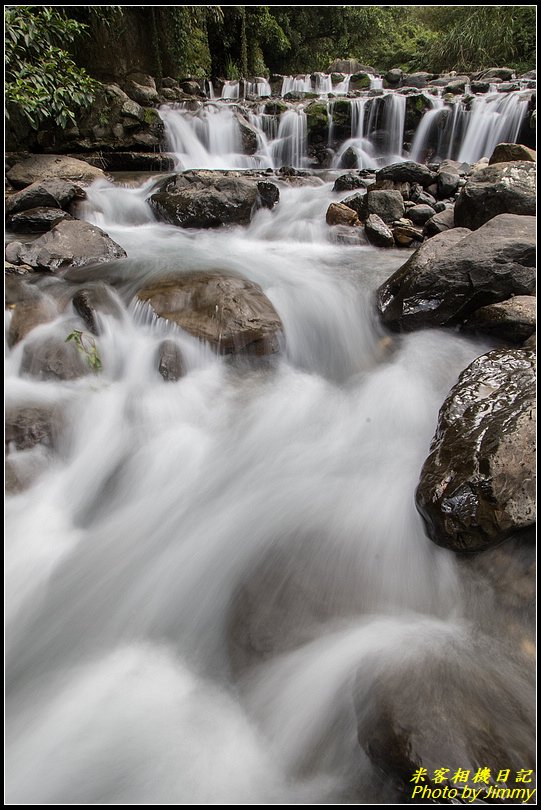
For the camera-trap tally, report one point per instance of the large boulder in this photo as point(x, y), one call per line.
point(349, 66)
point(477, 486)
point(209, 200)
point(227, 311)
point(420, 79)
point(52, 193)
point(142, 88)
point(407, 172)
point(43, 167)
point(458, 271)
point(36, 220)
point(503, 188)
point(513, 320)
point(503, 73)
point(348, 182)
point(71, 243)
point(317, 122)
point(389, 205)
point(508, 152)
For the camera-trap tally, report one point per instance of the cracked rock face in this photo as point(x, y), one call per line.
point(477, 486)
point(502, 188)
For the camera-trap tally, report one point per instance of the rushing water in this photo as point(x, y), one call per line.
point(210, 580)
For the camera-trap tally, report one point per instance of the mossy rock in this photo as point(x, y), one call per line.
point(317, 122)
point(341, 116)
point(416, 106)
point(359, 81)
point(274, 107)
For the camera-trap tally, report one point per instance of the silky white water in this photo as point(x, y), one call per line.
point(208, 579)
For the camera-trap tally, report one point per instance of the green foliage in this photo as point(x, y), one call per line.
point(42, 80)
point(88, 348)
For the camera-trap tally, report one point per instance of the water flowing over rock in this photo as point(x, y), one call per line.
point(503, 188)
point(207, 200)
point(53, 359)
point(170, 361)
point(44, 167)
point(229, 312)
point(477, 486)
point(92, 302)
point(71, 244)
point(456, 272)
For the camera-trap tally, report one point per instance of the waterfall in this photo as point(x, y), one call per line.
point(289, 148)
point(359, 141)
point(493, 119)
point(376, 83)
point(231, 90)
point(260, 87)
point(210, 90)
point(296, 84)
point(394, 115)
point(323, 85)
point(342, 88)
point(424, 131)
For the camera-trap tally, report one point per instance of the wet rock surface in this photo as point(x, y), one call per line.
point(503, 188)
point(513, 320)
point(53, 359)
point(206, 200)
point(52, 193)
point(458, 271)
point(477, 486)
point(70, 244)
point(36, 220)
point(170, 361)
point(341, 214)
point(43, 167)
point(229, 312)
point(377, 232)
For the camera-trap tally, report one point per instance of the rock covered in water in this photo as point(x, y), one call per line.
point(458, 271)
point(503, 188)
point(477, 486)
point(209, 200)
point(71, 244)
point(29, 425)
point(95, 300)
point(44, 167)
point(53, 358)
point(170, 361)
point(29, 308)
point(513, 320)
point(229, 312)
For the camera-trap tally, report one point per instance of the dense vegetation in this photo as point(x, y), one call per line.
point(44, 81)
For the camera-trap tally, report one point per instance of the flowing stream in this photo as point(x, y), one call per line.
point(210, 580)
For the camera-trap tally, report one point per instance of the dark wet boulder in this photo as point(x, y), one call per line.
point(229, 312)
point(407, 172)
point(317, 122)
point(406, 233)
point(393, 76)
point(36, 220)
point(458, 271)
point(503, 188)
point(420, 213)
point(419, 80)
point(349, 158)
point(52, 193)
point(348, 182)
point(249, 135)
point(44, 167)
point(440, 222)
point(377, 232)
point(357, 202)
point(508, 152)
point(477, 486)
point(209, 200)
point(513, 320)
point(93, 301)
point(170, 361)
point(71, 244)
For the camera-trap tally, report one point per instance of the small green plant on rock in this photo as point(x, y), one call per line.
point(88, 348)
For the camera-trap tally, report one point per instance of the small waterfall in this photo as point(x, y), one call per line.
point(330, 110)
point(359, 141)
point(425, 130)
point(260, 87)
point(492, 120)
point(289, 149)
point(296, 84)
point(376, 83)
point(210, 90)
point(394, 116)
point(231, 90)
point(323, 84)
point(342, 88)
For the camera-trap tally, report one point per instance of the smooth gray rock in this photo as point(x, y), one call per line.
point(71, 244)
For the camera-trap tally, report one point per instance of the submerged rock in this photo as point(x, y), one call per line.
point(71, 244)
point(503, 188)
point(458, 271)
point(170, 361)
point(229, 312)
point(53, 358)
point(477, 486)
